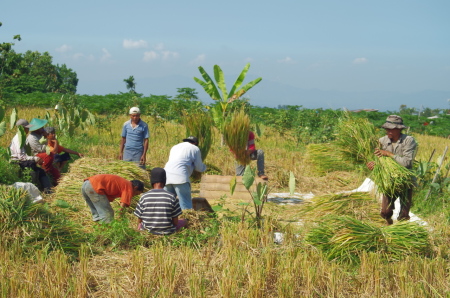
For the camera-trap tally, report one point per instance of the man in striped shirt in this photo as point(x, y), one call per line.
point(158, 209)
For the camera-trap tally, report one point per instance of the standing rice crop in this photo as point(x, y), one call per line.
point(235, 133)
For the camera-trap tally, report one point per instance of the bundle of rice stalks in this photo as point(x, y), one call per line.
point(325, 158)
point(390, 177)
point(200, 125)
point(68, 192)
point(345, 238)
point(358, 205)
point(235, 133)
point(34, 226)
point(357, 138)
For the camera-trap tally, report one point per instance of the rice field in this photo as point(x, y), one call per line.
point(333, 246)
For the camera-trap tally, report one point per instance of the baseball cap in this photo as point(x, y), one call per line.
point(191, 139)
point(134, 110)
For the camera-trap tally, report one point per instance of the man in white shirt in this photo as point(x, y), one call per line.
point(184, 158)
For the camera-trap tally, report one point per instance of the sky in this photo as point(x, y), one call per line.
point(316, 54)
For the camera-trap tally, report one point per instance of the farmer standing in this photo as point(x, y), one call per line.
point(134, 143)
point(254, 154)
point(402, 148)
point(158, 209)
point(184, 158)
point(99, 190)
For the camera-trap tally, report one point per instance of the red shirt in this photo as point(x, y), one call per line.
point(251, 141)
point(112, 186)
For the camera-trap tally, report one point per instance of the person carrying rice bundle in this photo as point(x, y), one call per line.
point(400, 148)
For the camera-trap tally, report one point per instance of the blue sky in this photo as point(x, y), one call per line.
point(318, 54)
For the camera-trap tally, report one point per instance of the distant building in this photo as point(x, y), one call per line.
point(365, 110)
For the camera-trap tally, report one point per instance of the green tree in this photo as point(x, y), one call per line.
point(130, 84)
point(224, 98)
point(186, 93)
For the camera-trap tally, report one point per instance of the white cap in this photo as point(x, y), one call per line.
point(134, 110)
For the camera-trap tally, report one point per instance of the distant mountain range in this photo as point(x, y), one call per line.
point(272, 94)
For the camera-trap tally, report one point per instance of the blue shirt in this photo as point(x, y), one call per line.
point(135, 136)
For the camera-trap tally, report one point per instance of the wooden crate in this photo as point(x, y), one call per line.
point(215, 186)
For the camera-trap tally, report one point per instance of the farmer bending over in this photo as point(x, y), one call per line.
point(99, 190)
point(158, 209)
point(402, 149)
point(184, 158)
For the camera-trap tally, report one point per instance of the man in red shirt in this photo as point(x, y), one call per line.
point(99, 190)
point(254, 154)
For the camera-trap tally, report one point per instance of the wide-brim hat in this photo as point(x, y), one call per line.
point(191, 139)
point(37, 123)
point(393, 121)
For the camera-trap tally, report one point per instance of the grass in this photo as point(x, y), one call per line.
point(219, 256)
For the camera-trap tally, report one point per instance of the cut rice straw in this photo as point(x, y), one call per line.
point(235, 133)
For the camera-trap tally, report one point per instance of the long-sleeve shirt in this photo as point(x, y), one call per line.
point(404, 151)
point(33, 140)
point(19, 153)
point(184, 158)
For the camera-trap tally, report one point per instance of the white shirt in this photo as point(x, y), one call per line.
point(18, 153)
point(183, 159)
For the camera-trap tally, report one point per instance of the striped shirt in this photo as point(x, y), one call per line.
point(156, 208)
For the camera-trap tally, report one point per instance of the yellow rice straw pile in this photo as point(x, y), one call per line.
point(358, 205)
point(69, 188)
point(235, 133)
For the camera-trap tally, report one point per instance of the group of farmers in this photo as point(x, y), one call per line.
point(158, 210)
point(49, 157)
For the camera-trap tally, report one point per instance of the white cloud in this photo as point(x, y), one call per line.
point(360, 61)
point(198, 60)
point(78, 56)
point(159, 47)
point(149, 56)
point(288, 60)
point(167, 55)
point(106, 55)
point(64, 48)
point(134, 44)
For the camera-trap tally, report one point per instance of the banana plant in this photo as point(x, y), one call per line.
point(258, 194)
point(2, 122)
point(224, 98)
point(67, 119)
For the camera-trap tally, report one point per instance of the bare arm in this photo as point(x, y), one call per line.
point(175, 221)
point(144, 154)
point(70, 151)
point(122, 146)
